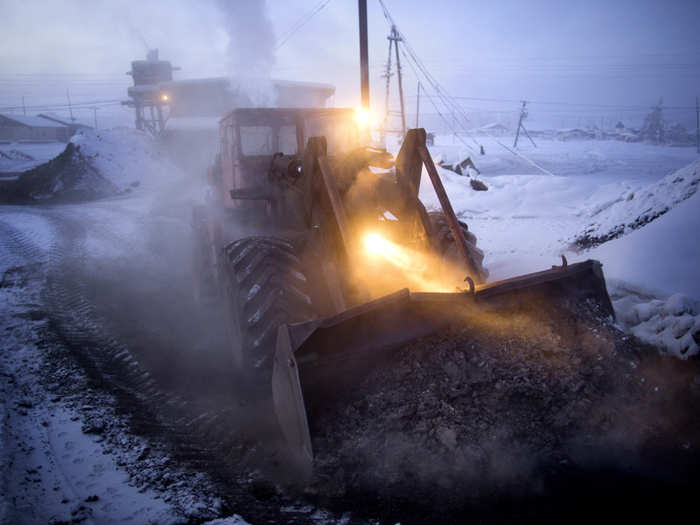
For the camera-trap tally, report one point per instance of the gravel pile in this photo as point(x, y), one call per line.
point(505, 406)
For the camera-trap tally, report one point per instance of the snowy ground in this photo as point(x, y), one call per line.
point(53, 470)
point(56, 468)
point(74, 445)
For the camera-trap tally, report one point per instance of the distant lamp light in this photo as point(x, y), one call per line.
point(164, 97)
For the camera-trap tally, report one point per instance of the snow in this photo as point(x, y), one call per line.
point(124, 157)
point(658, 261)
point(634, 208)
point(33, 121)
point(51, 470)
point(233, 520)
point(16, 157)
point(661, 258)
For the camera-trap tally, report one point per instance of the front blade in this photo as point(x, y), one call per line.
point(316, 362)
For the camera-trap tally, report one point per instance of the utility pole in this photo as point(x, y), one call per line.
point(396, 38)
point(417, 103)
point(364, 60)
point(697, 124)
point(70, 107)
point(387, 75)
point(523, 116)
point(94, 113)
point(24, 108)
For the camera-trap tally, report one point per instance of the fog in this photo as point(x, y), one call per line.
point(618, 54)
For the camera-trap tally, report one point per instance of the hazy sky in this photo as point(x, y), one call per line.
point(617, 52)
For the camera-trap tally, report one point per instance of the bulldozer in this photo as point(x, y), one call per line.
point(326, 261)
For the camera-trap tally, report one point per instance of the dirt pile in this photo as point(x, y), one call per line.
point(507, 408)
point(69, 177)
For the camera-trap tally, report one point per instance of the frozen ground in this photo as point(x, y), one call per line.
point(59, 464)
point(53, 470)
point(79, 443)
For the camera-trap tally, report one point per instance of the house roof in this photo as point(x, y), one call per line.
point(61, 120)
point(34, 122)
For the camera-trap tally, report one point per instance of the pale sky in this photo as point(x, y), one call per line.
point(622, 52)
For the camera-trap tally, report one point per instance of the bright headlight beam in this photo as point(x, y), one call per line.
point(363, 116)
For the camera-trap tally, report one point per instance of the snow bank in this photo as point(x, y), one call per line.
point(94, 164)
point(633, 209)
point(660, 260)
point(122, 156)
point(672, 325)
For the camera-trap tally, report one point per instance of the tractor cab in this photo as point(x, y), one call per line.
point(251, 139)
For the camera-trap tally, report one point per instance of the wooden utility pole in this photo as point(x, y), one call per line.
point(94, 113)
point(523, 116)
point(364, 61)
point(70, 107)
point(417, 104)
point(396, 38)
point(520, 121)
point(24, 108)
point(697, 125)
point(387, 75)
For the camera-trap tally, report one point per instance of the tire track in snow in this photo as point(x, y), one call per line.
point(204, 440)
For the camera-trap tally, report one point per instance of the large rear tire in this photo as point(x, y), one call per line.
point(265, 289)
point(447, 248)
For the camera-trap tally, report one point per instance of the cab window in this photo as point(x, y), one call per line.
point(259, 141)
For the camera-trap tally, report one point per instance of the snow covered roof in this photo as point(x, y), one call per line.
point(35, 122)
point(61, 120)
point(494, 125)
point(194, 81)
point(306, 85)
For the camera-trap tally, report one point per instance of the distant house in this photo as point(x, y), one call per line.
point(575, 134)
point(72, 125)
point(15, 128)
point(495, 128)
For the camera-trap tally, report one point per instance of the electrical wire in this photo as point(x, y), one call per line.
point(302, 22)
point(444, 97)
point(46, 107)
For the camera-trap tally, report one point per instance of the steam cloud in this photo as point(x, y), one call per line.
point(250, 51)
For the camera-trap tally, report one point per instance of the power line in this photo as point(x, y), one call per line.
point(44, 107)
point(571, 104)
point(416, 63)
point(302, 22)
point(445, 98)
